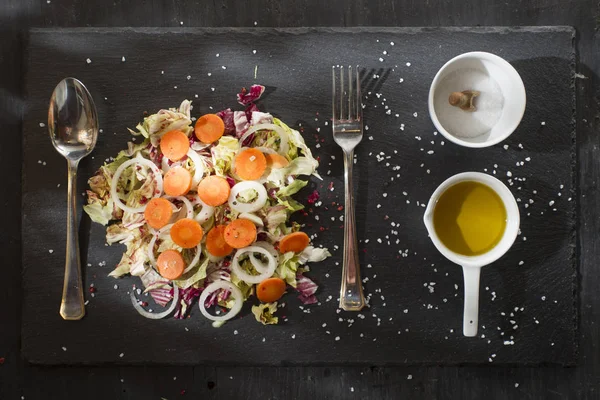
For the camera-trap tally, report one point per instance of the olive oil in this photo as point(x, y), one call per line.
point(469, 218)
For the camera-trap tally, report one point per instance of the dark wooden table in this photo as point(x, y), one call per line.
point(21, 381)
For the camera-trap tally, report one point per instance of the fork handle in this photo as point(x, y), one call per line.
point(351, 293)
point(72, 306)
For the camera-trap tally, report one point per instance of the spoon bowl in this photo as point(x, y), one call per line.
point(73, 128)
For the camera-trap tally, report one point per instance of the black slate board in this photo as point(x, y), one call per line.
point(528, 312)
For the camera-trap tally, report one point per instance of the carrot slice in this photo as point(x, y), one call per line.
point(275, 160)
point(270, 290)
point(158, 212)
point(295, 242)
point(215, 242)
point(170, 264)
point(214, 190)
point(174, 145)
point(177, 181)
point(186, 233)
point(209, 128)
point(250, 164)
point(240, 233)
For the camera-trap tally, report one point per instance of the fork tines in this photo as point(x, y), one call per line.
point(346, 98)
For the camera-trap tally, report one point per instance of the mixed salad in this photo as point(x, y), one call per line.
point(204, 211)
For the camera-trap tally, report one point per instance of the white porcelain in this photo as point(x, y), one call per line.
point(509, 82)
point(472, 265)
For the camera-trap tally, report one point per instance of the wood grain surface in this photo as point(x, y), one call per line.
point(18, 379)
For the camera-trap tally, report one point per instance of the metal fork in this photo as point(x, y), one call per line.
point(347, 133)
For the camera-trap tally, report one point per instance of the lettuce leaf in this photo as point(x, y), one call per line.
point(223, 154)
point(264, 313)
point(307, 289)
point(287, 268)
point(258, 117)
point(292, 188)
point(118, 233)
point(297, 143)
point(314, 254)
point(276, 216)
point(298, 166)
point(99, 213)
point(290, 204)
point(156, 125)
point(186, 297)
point(133, 260)
point(194, 276)
point(247, 96)
point(243, 286)
point(227, 117)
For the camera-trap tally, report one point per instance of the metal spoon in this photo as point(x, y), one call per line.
point(73, 126)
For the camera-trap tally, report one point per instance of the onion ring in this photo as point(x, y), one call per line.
point(264, 274)
point(198, 167)
point(205, 213)
point(115, 179)
point(164, 164)
point(162, 231)
point(188, 205)
point(256, 220)
point(235, 292)
point(256, 205)
point(161, 315)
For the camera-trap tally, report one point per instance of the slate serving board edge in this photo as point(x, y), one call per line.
point(575, 250)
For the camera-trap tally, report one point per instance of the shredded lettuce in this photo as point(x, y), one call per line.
point(264, 313)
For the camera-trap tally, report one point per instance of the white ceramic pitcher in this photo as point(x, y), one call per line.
point(471, 265)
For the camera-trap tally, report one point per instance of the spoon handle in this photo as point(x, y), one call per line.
point(71, 306)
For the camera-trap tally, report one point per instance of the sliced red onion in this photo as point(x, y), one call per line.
point(256, 220)
point(161, 315)
point(205, 213)
point(115, 180)
point(236, 293)
point(283, 137)
point(256, 205)
point(268, 271)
